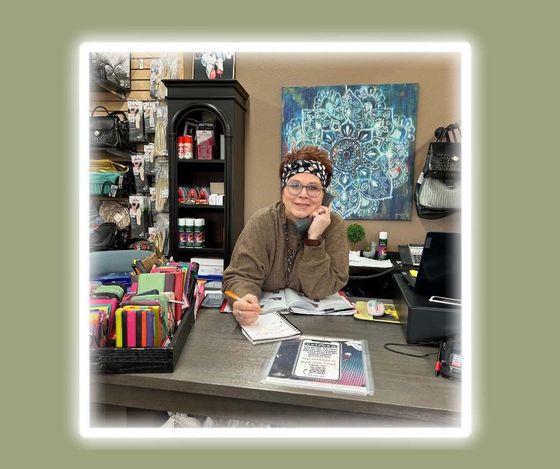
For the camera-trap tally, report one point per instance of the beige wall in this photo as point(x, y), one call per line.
point(264, 74)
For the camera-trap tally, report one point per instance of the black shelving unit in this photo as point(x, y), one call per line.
point(223, 104)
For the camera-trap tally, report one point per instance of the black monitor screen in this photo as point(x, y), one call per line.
point(440, 267)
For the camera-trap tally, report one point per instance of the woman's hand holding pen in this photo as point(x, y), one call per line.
point(245, 309)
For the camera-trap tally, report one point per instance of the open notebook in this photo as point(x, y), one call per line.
point(288, 300)
point(270, 328)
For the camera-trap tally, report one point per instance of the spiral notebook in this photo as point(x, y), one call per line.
point(270, 328)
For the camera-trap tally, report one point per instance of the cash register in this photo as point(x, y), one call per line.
point(424, 317)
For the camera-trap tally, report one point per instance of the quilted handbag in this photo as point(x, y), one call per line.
point(113, 212)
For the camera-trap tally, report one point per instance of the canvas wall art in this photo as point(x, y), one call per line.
point(111, 66)
point(213, 65)
point(369, 133)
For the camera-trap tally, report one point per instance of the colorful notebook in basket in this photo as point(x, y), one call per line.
point(162, 282)
point(137, 328)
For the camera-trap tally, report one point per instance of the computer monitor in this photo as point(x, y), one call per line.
point(439, 273)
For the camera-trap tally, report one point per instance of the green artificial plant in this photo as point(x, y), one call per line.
point(355, 233)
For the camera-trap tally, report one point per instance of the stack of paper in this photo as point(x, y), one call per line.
point(366, 262)
point(209, 268)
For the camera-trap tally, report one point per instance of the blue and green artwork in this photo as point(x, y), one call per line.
point(369, 133)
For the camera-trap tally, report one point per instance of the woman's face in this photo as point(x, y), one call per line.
point(301, 205)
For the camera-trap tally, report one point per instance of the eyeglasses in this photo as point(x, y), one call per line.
point(295, 188)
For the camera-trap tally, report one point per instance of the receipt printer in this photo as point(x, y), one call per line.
point(423, 320)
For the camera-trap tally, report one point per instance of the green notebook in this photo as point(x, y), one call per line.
point(162, 282)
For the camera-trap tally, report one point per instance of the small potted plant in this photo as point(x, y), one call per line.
point(355, 233)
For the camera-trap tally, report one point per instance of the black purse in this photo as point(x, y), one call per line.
point(108, 236)
point(443, 160)
point(104, 237)
point(438, 189)
point(109, 131)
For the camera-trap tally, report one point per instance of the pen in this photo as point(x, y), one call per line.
point(231, 295)
point(437, 368)
point(332, 310)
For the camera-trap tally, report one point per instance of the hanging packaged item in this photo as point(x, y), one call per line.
point(162, 68)
point(136, 121)
point(140, 177)
point(149, 159)
point(149, 117)
point(161, 232)
point(139, 216)
point(161, 195)
point(160, 139)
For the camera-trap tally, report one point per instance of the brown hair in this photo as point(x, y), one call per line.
point(309, 153)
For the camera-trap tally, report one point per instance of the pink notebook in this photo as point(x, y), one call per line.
point(131, 329)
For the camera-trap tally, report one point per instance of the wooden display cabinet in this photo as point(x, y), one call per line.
point(223, 105)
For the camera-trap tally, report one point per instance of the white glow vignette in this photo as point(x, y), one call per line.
point(383, 433)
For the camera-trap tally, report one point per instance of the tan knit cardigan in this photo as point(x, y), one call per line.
point(259, 261)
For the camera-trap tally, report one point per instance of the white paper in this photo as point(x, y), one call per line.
point(318, 359)
point(366, 262)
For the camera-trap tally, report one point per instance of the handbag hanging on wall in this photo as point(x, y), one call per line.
point(109, 131)
point(438, 189)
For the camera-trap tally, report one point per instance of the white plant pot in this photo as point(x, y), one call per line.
point(355, 254)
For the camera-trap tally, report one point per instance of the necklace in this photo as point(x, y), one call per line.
point(290, 253)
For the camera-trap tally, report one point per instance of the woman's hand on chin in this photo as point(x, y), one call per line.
point(321, 220)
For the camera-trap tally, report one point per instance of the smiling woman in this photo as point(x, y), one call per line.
point(273, 253)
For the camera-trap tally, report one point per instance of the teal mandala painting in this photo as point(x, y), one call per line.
point(369, 133)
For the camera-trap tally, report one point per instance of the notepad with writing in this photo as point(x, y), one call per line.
point(270, 328)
